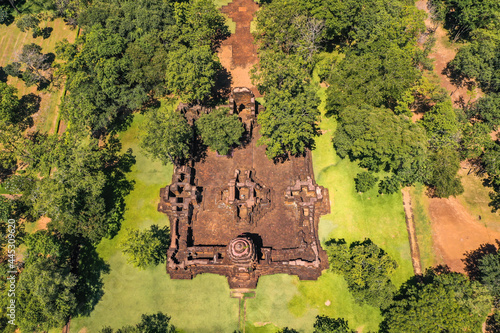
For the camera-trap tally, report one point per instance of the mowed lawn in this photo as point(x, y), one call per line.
point(199, 305)
point(11, 44)
point(284, 300)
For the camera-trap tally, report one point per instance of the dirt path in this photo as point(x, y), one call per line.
point(238, 53)
point(242, 295)
point(412, 234)
point(454, 230)
point(442, 54)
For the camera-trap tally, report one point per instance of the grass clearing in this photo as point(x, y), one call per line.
point(420, 206)
point(476, 199)
point(284, 300)
point(199, 305)
point(230, 23)
point(221, 3)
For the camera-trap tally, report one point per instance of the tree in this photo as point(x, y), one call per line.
point(489, 268)
point(146, 248)
point(365, 181)
point(36, 64)
point(486, 110)
point(324, 324)
point(166, 135)
point(379, 77)
point(441, 124)
point(463, 17)
point(389, 185)
point(479, 60)
point(29, 22)
point(381, 140)
point(287, 330)
point(155, 323)
point(83, 184)
point(190, 73)
point(493, 323)
point(13, 69)
point(9, 103)
point(366, 269)
point(14, 6)
point(443, 166)
point(491, 164)
point(441, 301)
point(474, 138)
point(44, 296)
point(201, 23)
point(219, 130)
point(289, 122)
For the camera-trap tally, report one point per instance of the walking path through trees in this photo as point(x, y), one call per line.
point(238, 53)
point(454, 230)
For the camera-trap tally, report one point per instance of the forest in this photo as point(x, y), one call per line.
point(131, 56)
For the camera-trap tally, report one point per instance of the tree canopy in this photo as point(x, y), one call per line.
point(146, 248)
point(134, 51)
point(166, 135)
point(366, 268)
point(441, 301)
point(220, 130)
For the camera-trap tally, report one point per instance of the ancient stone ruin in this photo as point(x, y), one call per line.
point(244, 216)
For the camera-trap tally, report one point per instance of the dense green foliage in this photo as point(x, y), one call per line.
point(84, 193)
point(166, 135)
point(440, 301)
point(463, 17)
point(443, 166)
point(155, 323)
point(366, 269)
point(288, 43)
point(326, 324)
point(477, 63)
point(219, 130)
point(381, 140)
point(190, 73)
point(365, 181)
point(146, 248)
point(9, 102)
point(367, 54)
point(45, 298)
point(132, 51)
point(289, 122)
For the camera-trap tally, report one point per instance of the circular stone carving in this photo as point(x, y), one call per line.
point(241, 250)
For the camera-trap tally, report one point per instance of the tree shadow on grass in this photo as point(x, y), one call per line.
point(117, 188)
point(3, 75)
point(90, 269)
point(28, 105)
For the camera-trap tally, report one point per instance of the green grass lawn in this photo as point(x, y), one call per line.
point(220, 3)
point(284, 300)
point(420, 206)
point(200, 305)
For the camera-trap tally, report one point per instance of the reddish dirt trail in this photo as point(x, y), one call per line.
point(238, 53)
point(454, 230)
point(442, 54)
